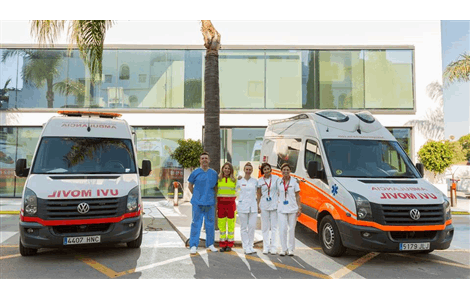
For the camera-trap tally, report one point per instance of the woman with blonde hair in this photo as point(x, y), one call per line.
point(247, 208)
point(226, 195)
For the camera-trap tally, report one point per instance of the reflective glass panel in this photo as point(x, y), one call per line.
point(8, 154)
point(27, 140)
point(10, 83)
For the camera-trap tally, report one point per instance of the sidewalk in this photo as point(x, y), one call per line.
point(180, 219)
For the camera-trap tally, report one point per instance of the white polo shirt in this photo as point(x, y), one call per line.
point(247, 195)
point(271, 185)
point(292, 186)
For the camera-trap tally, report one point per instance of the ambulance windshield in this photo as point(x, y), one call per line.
point(80, 155)
point(365, 158)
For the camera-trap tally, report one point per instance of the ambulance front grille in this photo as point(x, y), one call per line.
point(59, 209)
point(400, 214)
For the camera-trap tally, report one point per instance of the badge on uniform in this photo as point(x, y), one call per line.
point(286, 202)
point(268, 199)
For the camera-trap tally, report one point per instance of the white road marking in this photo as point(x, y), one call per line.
point(169, 261)
point(162, 239)
point(5, 235)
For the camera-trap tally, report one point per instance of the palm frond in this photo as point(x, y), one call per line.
point(69, 87)
point(89, 36)
point(46, 31)
point(458, 70)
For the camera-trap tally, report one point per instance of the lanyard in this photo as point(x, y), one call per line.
point(285, 187)
point(269, 186)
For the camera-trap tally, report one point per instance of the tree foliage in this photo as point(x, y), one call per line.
point(458, 153)
point(187, 153)
point(465, 142)
point(458, 70)
point(436, 156)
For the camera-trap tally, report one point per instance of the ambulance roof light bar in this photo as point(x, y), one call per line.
point(79, 113)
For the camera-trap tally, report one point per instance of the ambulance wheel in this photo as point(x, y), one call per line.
point(27, 251)
point(137, 242)
point(330, 237)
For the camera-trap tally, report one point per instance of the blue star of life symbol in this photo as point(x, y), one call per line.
point(334, 190)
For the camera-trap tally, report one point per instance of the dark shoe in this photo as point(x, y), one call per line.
point(228, 249)
point(222, 249)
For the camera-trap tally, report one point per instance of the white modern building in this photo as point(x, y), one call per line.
point(153, 73)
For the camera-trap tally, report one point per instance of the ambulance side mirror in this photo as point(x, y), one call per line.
point(146, 168)
point(21, 170)
point(314, 171)
point(420, 168)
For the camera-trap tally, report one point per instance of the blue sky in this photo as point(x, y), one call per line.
point(455, 41)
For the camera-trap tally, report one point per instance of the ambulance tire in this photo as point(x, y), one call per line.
point(27, 251)
point(137, 242)
point(330, 238)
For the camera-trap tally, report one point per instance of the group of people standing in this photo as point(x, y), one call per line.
point(276, 199)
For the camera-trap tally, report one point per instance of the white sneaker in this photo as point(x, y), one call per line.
point(212, 248)
point(290, 253)
point(265, 252)
point(273, 252)
point(249, 251)
point(282, 253)
point(193, 250)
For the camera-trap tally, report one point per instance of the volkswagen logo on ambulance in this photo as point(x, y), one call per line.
point(83, 208)
point(414, 214)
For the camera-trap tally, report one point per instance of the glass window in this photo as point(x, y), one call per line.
point(8, 155)
point(241, 78)
point(283, 79)
point(156, 144)
point(77, 155)
point(256, 79)
point(287, 152)
point(403, 136)
point(241, 145)
point(368, 159)
point(341, 79)
point(9, 81)
point(312, 153)
point(388, 79)
point(28, 138)
point(15, 143)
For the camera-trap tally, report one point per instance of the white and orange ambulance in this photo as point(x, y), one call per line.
point(359, 189)
point(83, 184)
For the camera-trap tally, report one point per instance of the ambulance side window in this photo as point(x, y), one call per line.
point(288, 152)
point(312, 153)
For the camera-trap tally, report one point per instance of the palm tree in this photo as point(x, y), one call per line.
point(3, 94)
point(89, 36)
point(458, 70)
point(40, 67)
point(69, 87)
point(211, 96)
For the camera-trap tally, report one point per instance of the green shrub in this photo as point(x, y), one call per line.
point(465, 142)
point(458, 153)
point(187, 153)
point(436, 156)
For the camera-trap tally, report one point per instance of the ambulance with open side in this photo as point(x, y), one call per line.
point(359, 188)
point(83, 185)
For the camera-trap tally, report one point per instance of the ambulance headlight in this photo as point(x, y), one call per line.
point(364, 212)
point(447, 210)
point(133, 199)
point(30, 203)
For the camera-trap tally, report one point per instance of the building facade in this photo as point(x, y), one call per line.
point(153, 73)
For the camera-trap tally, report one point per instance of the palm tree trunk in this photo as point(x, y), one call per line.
point(211, 96)
point(50, 93)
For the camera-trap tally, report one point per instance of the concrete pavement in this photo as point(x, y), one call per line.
point(180, 216)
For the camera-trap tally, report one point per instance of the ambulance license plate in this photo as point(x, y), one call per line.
point(76, 240)
point(414, 246)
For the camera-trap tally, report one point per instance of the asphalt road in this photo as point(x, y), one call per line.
point(163, 255)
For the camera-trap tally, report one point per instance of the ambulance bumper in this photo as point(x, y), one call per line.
point(373, 239)
point(50, 237)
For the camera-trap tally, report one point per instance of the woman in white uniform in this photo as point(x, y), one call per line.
point(288, 210)
point(267, 202)
point(247, 208)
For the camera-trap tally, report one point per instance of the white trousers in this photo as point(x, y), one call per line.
point(269, 229)
point(247, 229)
point(287, 224)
